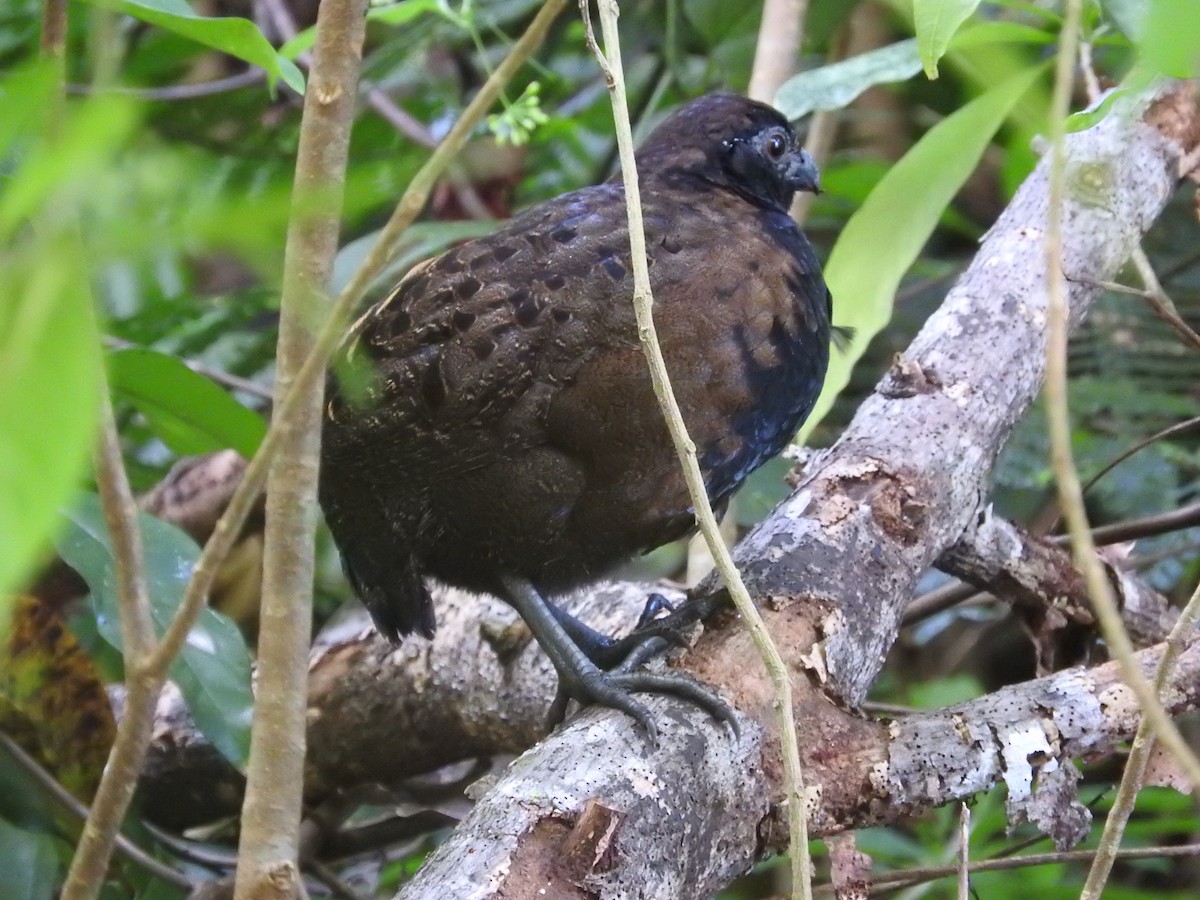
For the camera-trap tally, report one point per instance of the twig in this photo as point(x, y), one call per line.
point(225, 379)
point(268, 852)
point(71, 804)
point(125, 536)
point(911, 877)
point(779, 35)
point(119, 780)
point(176, 91)
point(388, 110)
point(1070, 493)
point(330, 879)
point(643, 306)
point(1172, 430)
point(1154, 294)
point(1160, 302)
point(1135, 765)
point(964, 852)
point(90, 861)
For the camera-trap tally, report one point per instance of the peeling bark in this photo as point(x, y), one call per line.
point(1039, 578)
point(902, 484)
point(592, 811)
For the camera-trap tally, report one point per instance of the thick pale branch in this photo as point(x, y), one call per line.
point(268, 851)
point(841, 557)
point(1038, 576)
point(833, 568)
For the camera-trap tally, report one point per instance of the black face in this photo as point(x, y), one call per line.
point(769, 165)
point(733, 142)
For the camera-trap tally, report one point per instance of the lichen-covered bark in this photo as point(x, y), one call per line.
point(593, 811)
point(841, 556)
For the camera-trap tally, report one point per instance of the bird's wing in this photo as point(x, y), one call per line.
point(480, 337)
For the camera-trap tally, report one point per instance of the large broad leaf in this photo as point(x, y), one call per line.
point(1170, 43)
point(213, 671)
point(49, 387)
point(31, 869)
point(237, 37)
point(189, 413)
point(935, 22)
point(838, 84)
point(884, 237)
point(82, 148)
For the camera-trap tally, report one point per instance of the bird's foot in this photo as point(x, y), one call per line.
point(670, 629)
point(616, 689)
point(594, 669)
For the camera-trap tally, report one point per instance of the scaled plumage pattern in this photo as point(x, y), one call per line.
point(508, 440)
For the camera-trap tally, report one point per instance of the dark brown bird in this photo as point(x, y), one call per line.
point(507, 440)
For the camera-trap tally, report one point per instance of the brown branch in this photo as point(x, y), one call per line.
point(891, 881)
point(69, 802)
point(117, 784)
point(838, 560)
point(779, 35)
point(833, 569)
point(1039, 576)
point(268, 852)
point(951, 595)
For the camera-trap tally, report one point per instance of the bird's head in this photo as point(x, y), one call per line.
point(733, 142)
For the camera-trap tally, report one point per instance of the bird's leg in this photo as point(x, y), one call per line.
point(579, 678)
point(610, 653)
point(670, 628)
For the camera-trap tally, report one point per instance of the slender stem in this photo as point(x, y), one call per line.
point(1070, 492)
point(643, 306)
point(1135, 765)
point(121, 519)
point(911, 877)
point(53, 41)
point(117, 784)
point(779, 35)
point(964, 852)
point(90, 863)
point(71, 804)
point(268, 852)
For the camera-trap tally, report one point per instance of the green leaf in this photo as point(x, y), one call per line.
point(49, 386)
point(31, 868)
point(1128, 15)
point(1170, 43)
point(83, 148)
point(900, 215)
point(1000, 33)
point(935, 22)
point(838, 84)
point(189, 413)
point(1085, 119)
point(403, 13)
point(213, 670)
point(237, 37)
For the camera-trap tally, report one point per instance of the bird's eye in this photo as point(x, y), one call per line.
point(776, 145)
